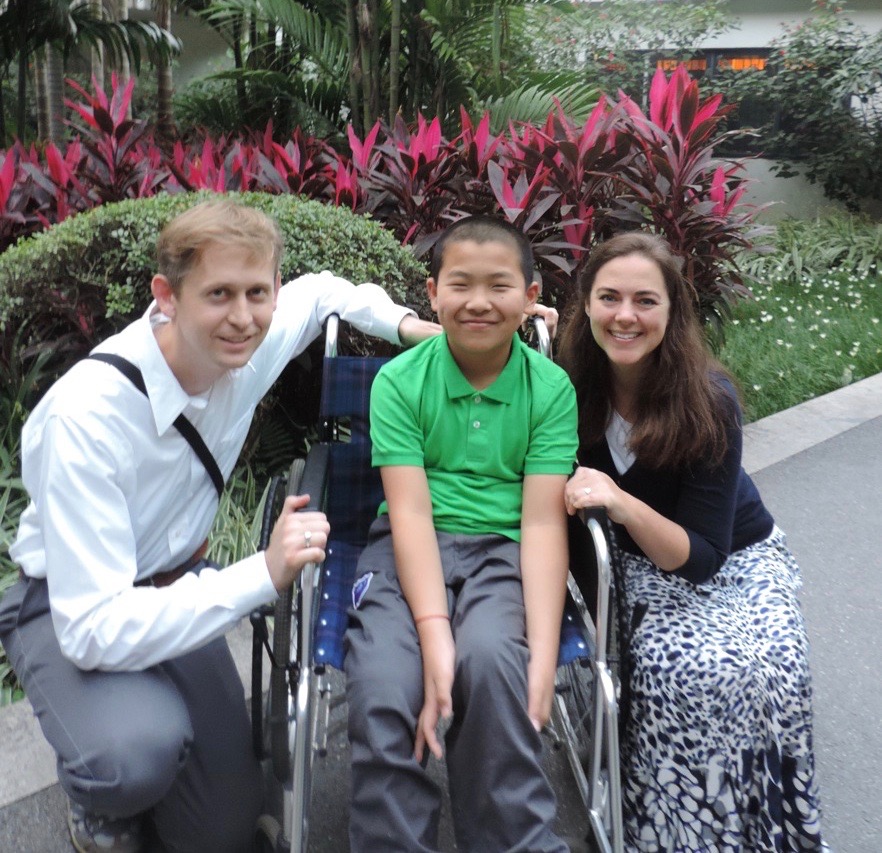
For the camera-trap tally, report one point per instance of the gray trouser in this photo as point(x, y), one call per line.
point(500, 796)
point(173, 740)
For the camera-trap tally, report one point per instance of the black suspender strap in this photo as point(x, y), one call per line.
point(183, 426)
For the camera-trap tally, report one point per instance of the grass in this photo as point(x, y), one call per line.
point(804, 336)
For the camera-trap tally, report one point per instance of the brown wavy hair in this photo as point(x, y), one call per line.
point(682, 411)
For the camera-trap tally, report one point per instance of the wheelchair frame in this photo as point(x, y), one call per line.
point(292, 726)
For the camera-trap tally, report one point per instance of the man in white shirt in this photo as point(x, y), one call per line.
point(116, 628)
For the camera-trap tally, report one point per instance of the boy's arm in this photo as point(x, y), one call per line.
point(544, 566)
point(418, 563)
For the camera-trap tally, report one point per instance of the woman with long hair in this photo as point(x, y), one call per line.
point(717, 745)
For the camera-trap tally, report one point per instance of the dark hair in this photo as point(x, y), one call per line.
point(484, 229)
point(682, 412)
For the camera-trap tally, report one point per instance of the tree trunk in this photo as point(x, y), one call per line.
point(374, 48)
point(96, 53)
point(394, 59)
point(49, 73)
point(21, 106)
point(165, 125)
point(355, 69)
point(2, 120)
point(417, 54)
point(367, 71)
point(239, 60)
point(41, 61)
point(124, 71)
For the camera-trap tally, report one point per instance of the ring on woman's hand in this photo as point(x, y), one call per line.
point(307, 538)
point(587, 490)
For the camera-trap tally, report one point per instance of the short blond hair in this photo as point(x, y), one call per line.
point(224, 222)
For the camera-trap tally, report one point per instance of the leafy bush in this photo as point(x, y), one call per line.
point(564, 184)
point(82, 280)
point(822, 93)
point(837, 242)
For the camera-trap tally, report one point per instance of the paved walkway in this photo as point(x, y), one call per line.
point(819, 468)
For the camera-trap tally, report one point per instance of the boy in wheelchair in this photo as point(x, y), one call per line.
point(458, 596)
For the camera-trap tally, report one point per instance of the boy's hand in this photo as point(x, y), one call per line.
point(439, 655)
point(412, 330)
point(298, 538)
point(540, 693)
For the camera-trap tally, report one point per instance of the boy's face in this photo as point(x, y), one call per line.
point(220, 316)
point(480, 297)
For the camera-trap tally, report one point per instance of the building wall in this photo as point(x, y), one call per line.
point(761, 22)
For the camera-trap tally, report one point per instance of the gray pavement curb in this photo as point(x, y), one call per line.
point(782, 435)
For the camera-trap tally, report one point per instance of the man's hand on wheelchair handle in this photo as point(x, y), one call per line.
point(548, 314)
point(412, 330)
point(298, 538)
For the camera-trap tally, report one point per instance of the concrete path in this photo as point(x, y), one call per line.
point(819, 469)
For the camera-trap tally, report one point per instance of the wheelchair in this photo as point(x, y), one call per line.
point(302, 634)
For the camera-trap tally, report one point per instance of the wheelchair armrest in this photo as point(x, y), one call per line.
point(596, 522)
point(315, 475)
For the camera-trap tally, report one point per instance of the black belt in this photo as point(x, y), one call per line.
point(160, 578)
point(169, 577)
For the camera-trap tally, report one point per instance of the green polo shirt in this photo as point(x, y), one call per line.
point(476, 446)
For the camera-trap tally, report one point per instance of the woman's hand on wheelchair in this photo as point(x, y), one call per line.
point(298, 538)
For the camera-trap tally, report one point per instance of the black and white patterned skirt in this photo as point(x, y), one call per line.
point(717, 745)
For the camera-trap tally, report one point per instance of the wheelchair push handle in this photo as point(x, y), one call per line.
point(315, 477)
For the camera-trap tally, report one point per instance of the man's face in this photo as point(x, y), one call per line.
point(220, 316)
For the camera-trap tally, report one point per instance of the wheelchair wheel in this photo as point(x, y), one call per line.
point(284, 647)
point(268, 835)
point(577, 689)
point(575, 684)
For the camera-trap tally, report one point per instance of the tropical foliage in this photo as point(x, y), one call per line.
point(564, 183)
point(615, 44)
point(822, 94)
point(321, 65)
point(42, 35)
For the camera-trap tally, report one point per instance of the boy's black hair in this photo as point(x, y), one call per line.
point(484, 229)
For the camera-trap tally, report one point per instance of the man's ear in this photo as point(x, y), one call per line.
point(276, 290)
point(162, 292)
point(432, 289)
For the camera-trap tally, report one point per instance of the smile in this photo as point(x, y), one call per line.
point(625, 336)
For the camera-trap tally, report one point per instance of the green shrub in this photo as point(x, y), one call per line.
point(64, 290)
point(84, 279)
point(839, 242)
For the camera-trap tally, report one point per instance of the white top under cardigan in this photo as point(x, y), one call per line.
point(117, 494)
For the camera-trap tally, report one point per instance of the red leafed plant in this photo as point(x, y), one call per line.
point(674, 185)
point(565, 184)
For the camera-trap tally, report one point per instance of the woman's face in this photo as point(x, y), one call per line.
point(628, 309)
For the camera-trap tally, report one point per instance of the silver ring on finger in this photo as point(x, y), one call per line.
point(307, 538)
point(587, 490)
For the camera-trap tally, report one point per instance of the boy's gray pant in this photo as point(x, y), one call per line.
point(173, 739)
point(500, 796)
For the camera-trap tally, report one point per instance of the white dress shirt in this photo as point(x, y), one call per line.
point(117, 494)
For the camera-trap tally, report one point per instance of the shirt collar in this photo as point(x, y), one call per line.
point(503, 387)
